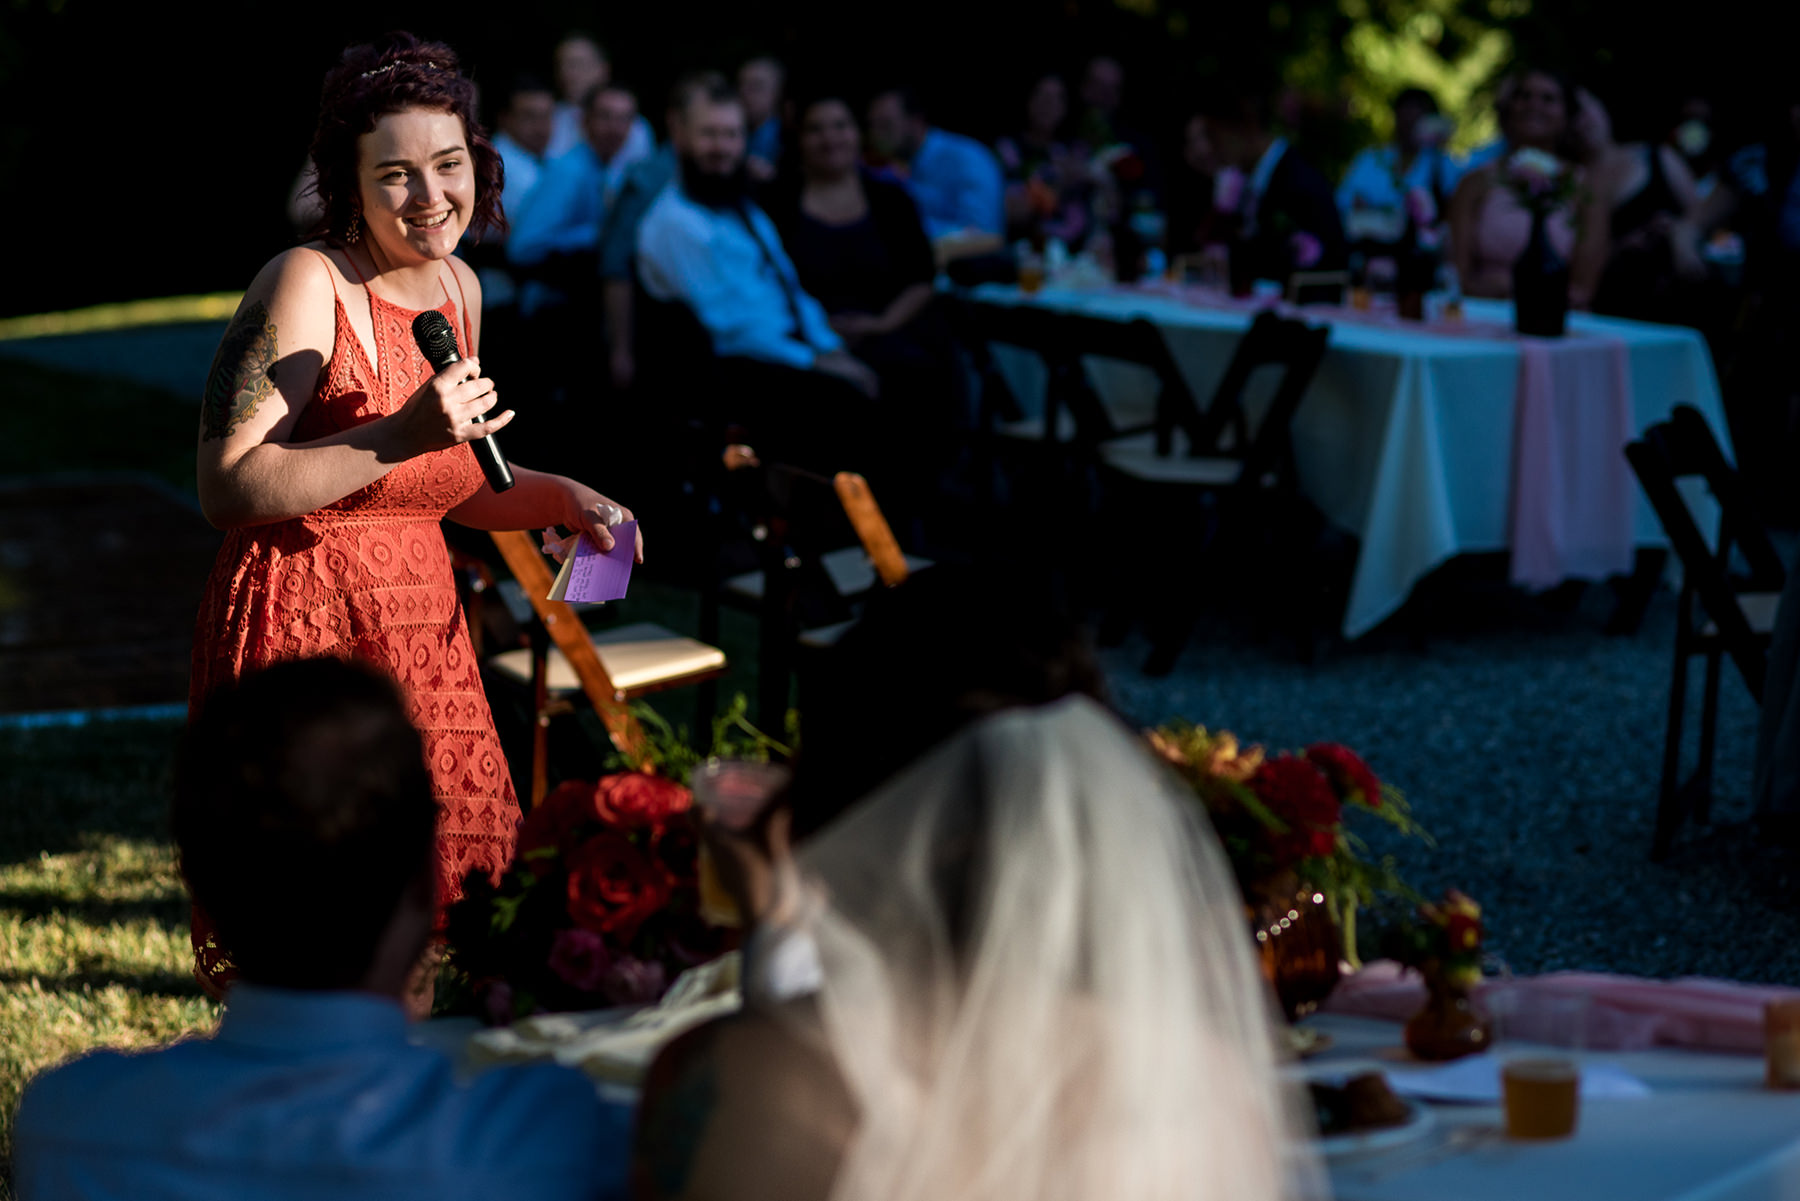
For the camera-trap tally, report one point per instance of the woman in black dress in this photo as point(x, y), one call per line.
point(860, 249)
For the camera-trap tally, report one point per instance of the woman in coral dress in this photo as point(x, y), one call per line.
point(329, 449)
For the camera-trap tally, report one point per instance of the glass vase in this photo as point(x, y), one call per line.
point(1449, 1026)
point(1298, 944)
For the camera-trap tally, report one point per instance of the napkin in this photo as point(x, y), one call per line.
point(1476, 1080)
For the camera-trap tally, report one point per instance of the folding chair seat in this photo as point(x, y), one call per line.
point(1730, 590)
point(564, 661)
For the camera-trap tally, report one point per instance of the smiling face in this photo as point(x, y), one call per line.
point(416, 181)
point(830, 143)
point(1537, 112)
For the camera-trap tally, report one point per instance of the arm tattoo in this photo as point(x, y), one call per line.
point(242, 373)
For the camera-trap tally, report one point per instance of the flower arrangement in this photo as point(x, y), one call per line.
point(1442, 942)
point(601, 903)
point(1539, 180)
point(1281, 817)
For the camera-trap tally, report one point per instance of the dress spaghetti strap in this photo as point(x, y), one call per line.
point(463, 308)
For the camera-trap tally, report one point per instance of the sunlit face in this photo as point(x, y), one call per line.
point(530, 119)
point(1537, 113)
point(580, 68)
point(609, 121)
point(416, 179)
point(759, 86)
point(830, 143)
point(712, 135)
point(1048, 104)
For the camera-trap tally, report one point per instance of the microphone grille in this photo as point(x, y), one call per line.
point(437, 341)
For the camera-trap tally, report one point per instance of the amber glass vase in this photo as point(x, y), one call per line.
point(1448, 1027)
point(1298, 944)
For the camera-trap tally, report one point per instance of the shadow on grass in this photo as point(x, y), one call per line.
point(171, 912)
point(172, 985)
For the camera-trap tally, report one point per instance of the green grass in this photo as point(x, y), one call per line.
point(93, 920)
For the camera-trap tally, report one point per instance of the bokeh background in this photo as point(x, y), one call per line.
point(147, 149)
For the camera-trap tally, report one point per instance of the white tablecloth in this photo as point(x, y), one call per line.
point(1709, 1131)
point(1405, 437)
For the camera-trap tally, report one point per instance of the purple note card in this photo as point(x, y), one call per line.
point(602, 575)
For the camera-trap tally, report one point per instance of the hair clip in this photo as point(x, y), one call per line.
point(390, 66)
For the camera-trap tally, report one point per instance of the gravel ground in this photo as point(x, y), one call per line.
point(1529, 744)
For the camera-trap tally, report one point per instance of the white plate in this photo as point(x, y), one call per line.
point(1419, 1123)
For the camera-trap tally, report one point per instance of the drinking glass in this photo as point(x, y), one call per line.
point(733, 793)
point(1537, 1037)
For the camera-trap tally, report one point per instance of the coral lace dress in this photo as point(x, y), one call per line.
point(368, 577)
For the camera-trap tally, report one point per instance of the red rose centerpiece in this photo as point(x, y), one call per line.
point(599, 907)
point(1282, 817)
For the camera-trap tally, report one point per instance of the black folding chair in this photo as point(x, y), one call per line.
point(1729, 594)
point(1213, 471)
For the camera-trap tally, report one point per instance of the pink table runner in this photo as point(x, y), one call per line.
point(1628, 1013)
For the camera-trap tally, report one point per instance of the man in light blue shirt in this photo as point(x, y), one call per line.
point(956, 181)
point(570, 202)
point(783, 372)
point(1373, 194)
point(305, 821)
point(705, 244)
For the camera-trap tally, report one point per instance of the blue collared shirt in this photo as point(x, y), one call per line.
point(523, 171)
point(1374, 181)
point(708, 259)
point(957, 184)
point(567, 207)
point(312, 1097)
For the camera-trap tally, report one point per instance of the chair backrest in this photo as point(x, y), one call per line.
point(1684, 448)
point(1136, 341)
point(526, 562)
point(1295, 347)
point(980, 325)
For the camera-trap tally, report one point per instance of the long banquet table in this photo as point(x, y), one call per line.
point(1709, 1131)
point(1407, 435)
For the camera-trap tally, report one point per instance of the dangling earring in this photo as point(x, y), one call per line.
point(352, 234)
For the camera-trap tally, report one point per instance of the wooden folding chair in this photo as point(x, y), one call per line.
point(1719, 612)
point(1207, 473)
point(611, 667)
point(805, 596)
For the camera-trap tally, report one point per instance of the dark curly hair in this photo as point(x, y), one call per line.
point(393, 73)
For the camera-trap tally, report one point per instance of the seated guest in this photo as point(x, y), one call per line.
point(1286, 214)
point(1649, 191)
point(1490, 227)
point(859, 247)
point(1047, 187)
point(955, 180)
point(523, 141)
point(856, 241)
point(705, 244)
point(304, 819)
point(564, 220)
point(941, 998)
point(760, 82)
point(643, 183)
point(1386, 185)
point(582, 66)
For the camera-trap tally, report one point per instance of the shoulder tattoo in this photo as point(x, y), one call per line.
point(242, 373)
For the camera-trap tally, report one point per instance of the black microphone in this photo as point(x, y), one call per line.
point(437, 342)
